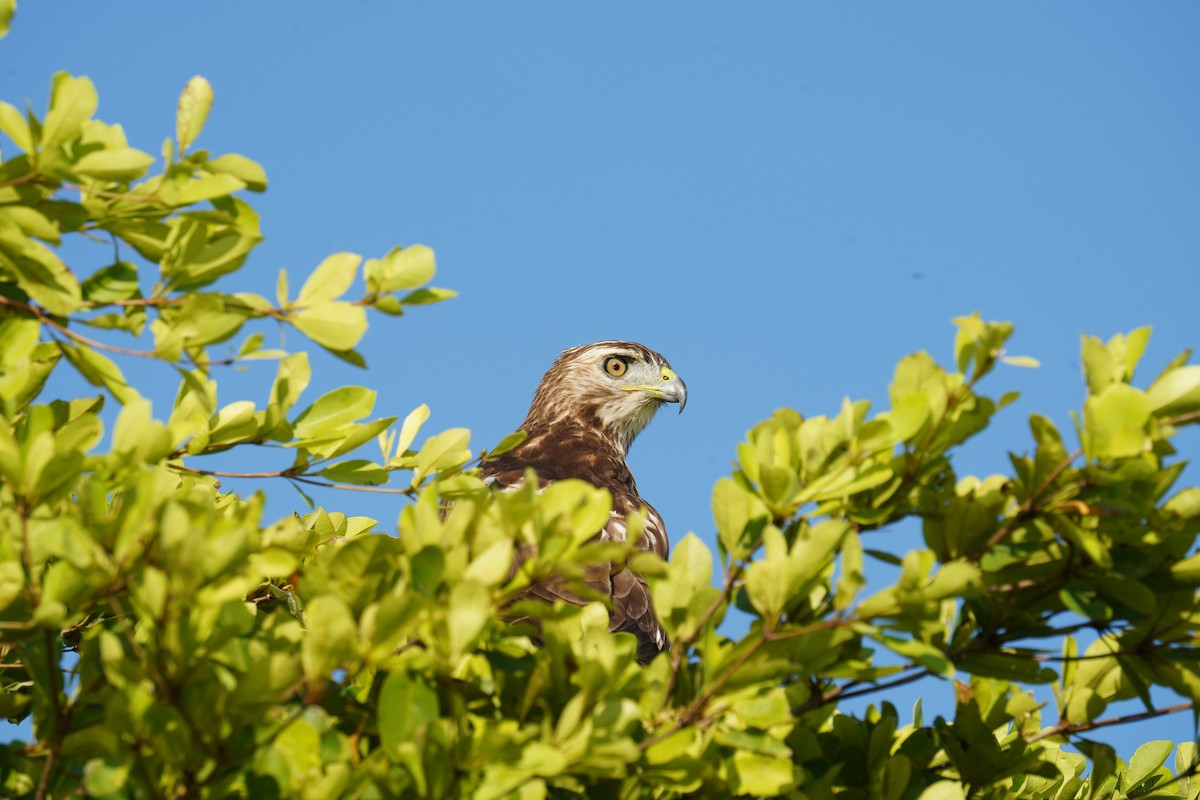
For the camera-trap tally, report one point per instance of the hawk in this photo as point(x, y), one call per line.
point(590, 406)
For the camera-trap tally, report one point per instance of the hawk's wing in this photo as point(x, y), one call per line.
point(632, 609)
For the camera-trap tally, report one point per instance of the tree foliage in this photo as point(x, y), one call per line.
point(167, 641)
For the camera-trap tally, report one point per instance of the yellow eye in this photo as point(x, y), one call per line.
point(615, 366)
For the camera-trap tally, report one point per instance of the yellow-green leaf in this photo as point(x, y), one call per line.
point(1115, 422)
point(248, 172)
point(114, 164)
point(72, 101)
point(192, 111)
point(333, 410)
point(330, 280)
point(335, 325)
point(13, 123)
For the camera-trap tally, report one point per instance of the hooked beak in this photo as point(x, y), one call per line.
point(672, 389)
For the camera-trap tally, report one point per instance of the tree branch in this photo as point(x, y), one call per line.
point(291, 475)
point(1064, 728)
point(61, 718)
point(1027, 507)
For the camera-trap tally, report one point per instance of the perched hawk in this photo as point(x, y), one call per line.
point(589, 407)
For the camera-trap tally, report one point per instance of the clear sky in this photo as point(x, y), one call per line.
point(783, 198)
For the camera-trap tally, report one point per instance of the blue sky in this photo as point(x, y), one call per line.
point(783, 198)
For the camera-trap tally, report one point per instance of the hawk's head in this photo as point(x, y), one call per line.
point(613, 386)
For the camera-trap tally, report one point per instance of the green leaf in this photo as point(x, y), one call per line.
point(1176, 391)
point(233, 423)
point(507, 443)
point(1113, 362)
point(491, 566)
point(330, 280)
point(12, 121)
point(1021, 361)
point(909, 415)
point(852, 578)
point(1114, 422)
point(334, 410)
point(761, 776)
point(433, 294)
point(331, 636)
point(919, 652)
point(117, 281)
point(410, 427)
point(105, 777)
point(192, 111)
point(334, 325)
point(407, 704)
point(1188, 569)
point(400, 269)
point(137, 434)
point(39, 271)
point(448, 449)
point(122, 164)
point(208, 187)
point(291, 379)
point(468, 613)
point(72, 101)
point(12, 580)
point(99, 370)
point(248, 172)
point(1149, 757)
point(768, 583)
point(357, 472)
point(734, 507)
point(943, 790)
point(196, 252)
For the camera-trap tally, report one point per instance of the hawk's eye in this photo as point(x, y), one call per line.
point(615, 366)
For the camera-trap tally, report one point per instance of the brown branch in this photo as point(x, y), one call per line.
point(136, 302)
point(1027, 507)
point(1064, 728)
point(842, 692)
point(1191, 416)
point(878, 687)
point(291, 475)
point(45, 318)
point(31, 177)
point(160, 302)
point(61, 718)
point(27, 552)
point(146, 198)
point(353, 487)
point(167, 691)
point(679, 651)
point(216, 473)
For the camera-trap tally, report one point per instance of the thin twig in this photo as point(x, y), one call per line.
point(32, 177)
point(216, 473)
point(842, 692)
point(1027, 507)
point(1183, 418)
point(1065, 728)
point(61, 719)
point(352, 487)
point(145, 198)
point(291, 475)
point(45, 318)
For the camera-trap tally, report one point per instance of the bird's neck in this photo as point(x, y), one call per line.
point(572, 448)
